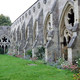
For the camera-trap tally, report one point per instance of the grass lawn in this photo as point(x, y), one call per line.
point(12, 68)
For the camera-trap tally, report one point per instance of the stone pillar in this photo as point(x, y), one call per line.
point(24, 53)
point(47, 51)
point(37, 33)
point(33, 55)
point(4, 48)
point(70, 55)
point(46, 55)
point(34, 50)
point(18, 50)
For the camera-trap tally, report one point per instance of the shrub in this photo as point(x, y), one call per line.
point(78, 62)
point(56, 64)
point(67, 65)
point(60, 61)
point(29, 52)
point(40, 52)
point(76, 76)
point(6, 51)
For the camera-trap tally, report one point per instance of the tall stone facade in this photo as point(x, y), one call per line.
point(53, 24)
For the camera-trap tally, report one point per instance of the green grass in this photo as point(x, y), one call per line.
point(12, 68)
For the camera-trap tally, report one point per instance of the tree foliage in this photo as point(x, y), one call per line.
point(5, 20)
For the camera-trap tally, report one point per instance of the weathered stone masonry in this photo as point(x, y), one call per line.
point(5, 38)
point(53, 24)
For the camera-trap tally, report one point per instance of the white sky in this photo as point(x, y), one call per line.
point(14, 8)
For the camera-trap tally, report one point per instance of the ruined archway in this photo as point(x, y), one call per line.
point(18, 34)
point(4, 44)
point(48, 35)
point(35, 31)
point(47, 27)
point(65, 26)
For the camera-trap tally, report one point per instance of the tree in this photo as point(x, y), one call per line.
point(5, 20)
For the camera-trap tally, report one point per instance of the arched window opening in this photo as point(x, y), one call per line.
point(71, 17)
point(66, 23)
point(6, 47)
point(65, 43)
point(1, 49)
point(69, 38)
point(47, 29)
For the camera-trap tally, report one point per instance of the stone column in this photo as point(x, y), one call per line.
point(4, 48)
point(49, 38)
point(33, 54)
point(70, 50)
point(34, 50)
point(37, 33)
point(70, 55)
point(46, 55)
point(24, 53)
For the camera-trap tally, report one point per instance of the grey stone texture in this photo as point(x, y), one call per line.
point(46, 27)
point(5, 37)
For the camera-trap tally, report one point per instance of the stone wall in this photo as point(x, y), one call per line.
point(43, 23)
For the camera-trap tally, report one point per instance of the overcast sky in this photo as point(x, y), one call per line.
point(14, 8)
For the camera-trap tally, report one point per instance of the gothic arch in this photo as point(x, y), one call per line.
point(64, 27)
point(67, 6)
point(34, 31)
point(23, 31)
point(46, 27)
point(5, 43)
point(18, 34)
point(30, 29)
